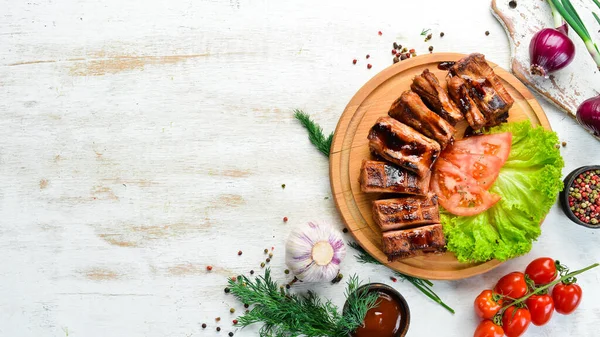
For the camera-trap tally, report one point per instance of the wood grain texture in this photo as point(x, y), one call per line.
point(144, 165)
point(568, 87)
point(351, 146)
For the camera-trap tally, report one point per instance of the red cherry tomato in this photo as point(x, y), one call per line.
point(487, 328)
point(566, 297)
point(485, 305)
point(541, 270)
point(515, 321)
point(512, 285)
point(541, 308)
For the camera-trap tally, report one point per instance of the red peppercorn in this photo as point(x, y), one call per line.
point(239, 252)
point(235, 321)
point(285, 219)
point(354, 61)
point(369, 66)
point(394, 52)
point(393, 279)
point(380, 33)
point(209, 268)
point(368, 56)
point(412, 51)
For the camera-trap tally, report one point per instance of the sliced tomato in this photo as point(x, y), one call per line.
point(459, 193)
point(484, 168)
point(496, 145)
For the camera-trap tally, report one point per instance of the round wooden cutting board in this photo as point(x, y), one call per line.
point(350, 146)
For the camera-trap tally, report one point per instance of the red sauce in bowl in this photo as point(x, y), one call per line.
point(383, 320)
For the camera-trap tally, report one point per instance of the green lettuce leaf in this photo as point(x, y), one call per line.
point(528, 183)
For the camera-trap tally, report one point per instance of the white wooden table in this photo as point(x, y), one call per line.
point(144, 140)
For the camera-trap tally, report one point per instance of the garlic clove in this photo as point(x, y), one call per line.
point(314, 252)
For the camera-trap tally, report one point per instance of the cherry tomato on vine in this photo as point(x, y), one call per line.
point(566, 297)
point(541, 308)
point(515, 321)
point(485, 305)
point(541, 270)
point(512, 285)
point(487, 328)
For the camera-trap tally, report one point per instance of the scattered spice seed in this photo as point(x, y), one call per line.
point(396, 59)
point(262, 265)
point(557, 146)
point(394, 52)
point(393, 279)
point(430, 49)
point(287, 286)
point(217, 319)
point(428, 37)
point(345, 230)
point(369, 66)
point(268, 260)
point(326, 198)
point(287, 271)
point(252, 272)
point(266, 250)
point(395, 45)
point(404, 50)
point(227, 290)
point(337, 279)
point(231, 333)
point(285, 219)
point(282, 185)
point(232, 310)
point(512, 4)
point(246, 305)
point(239, 253)
point(368, 56)
point(270, 254)
point(247, 311)
point(442, 34)
point(487, 32)
point(412, 51)
point(564, 144)
point(354, 61)
point(218, 329)
point(203, 325)
point(209, 268)
point(380, 33)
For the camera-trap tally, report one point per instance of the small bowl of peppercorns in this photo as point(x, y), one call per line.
point(580, 199)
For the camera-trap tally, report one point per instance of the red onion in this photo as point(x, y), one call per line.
point(588, 114)
point(549, 51)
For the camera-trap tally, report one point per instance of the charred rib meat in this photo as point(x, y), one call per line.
point(410, 110)
point(428, 87)
point(378, 176)
point(485, 88)
point(403, 146)
point(406, 243)
point(460, 95)
point(406, 212)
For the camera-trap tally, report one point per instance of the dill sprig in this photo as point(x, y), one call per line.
point(315, 132)
point(423, 285)
point(284, 314)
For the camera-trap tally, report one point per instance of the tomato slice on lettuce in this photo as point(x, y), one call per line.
point(459, 193)
point(484, 168)
point(497, 145)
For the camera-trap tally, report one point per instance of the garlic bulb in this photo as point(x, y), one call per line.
point(314, 252)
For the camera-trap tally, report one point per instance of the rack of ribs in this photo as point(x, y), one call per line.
point(403, 145)
point(406, 212)
point(457, 88)
point(406, 243)
point(485, 88)
point(382, 177)
point(428, 87)
point(410, 110)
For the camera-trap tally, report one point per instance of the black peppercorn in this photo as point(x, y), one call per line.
point(442, 34)
point(231, 334)
point(268, 260)
point(203, 325)
point(395, 45)
point(487, 32)
point(227, 290)
point(218, 329)
point(287, 286)
point(430, 48)
point(252, 272)
point(345, 230)
point(287, 271)
point(246, 305)
point(512, 4)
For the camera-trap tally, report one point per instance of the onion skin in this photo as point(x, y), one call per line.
point(588, 114)
point(550, 50)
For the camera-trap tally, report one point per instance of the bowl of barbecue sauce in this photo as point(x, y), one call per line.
point(389, 318)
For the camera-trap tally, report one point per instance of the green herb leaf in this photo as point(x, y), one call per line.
point(596, 16)
point(425, 31)
point(285, 314)
point(315, 132)
point(421, 284)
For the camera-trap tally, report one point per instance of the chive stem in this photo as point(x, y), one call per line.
point(558, 20)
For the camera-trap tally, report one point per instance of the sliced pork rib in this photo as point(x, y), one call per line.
point(457, 88)
point(485, 88)
point(410, 110)
point(406, 212)
point(428, 87)
point(406, 243)
point(382, 177)
point(403, 145)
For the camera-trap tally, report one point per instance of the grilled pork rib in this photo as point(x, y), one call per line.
point(403, 146)
point(382, 177)
point(410, 110)
point(406, 212)
point(485, 88)
point(406, 243)
point(459, 93)
point(428, 87)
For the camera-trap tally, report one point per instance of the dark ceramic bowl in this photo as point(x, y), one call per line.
point(393, 293)
point(564, 195)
